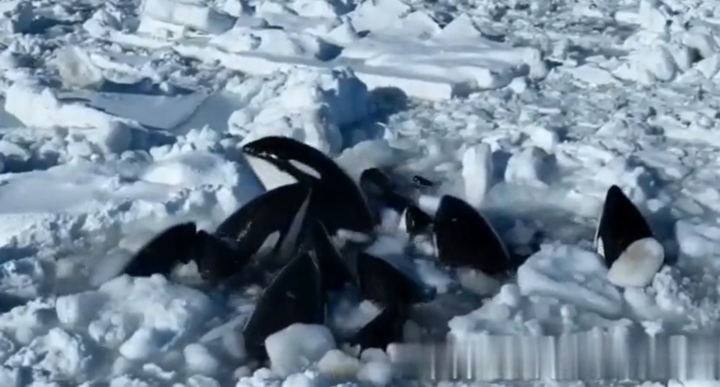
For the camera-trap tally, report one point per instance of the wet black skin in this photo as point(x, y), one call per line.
point(378, 186)
point(218, 258)
point(383, 283)
point(464, 238)
point(164, 252)
point(295, 296)
point(621, 223)
point(423, 182)
point(417, 221)
point(296, 290)
point(386, 328)
point(352, 213)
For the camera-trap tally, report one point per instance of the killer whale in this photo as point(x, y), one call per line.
point(380, 191)
point(295, 296)
point(163, 252)
point(386, 284)
point(376, 183)
point(393, 205)
point(218, 257)
point(249, 229)
point(311, 167)
point(625, 241)
point(463, 237)
point(417, 221)
point(249, 264)
point(337, 271)
point(384, 329)
point(619, 224)
point(227, 251)
point(160, 255)
point(377, 279)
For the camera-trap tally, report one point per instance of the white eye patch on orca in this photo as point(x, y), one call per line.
point(305, 169)
point(270, 242)
point(270, 176)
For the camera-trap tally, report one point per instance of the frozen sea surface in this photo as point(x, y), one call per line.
point(120, 118)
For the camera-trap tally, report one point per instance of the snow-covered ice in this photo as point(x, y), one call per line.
point(294, 348)
point(121, 118)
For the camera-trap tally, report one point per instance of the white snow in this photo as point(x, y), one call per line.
point(188, 14)
point(269, 175)
point(378, 373)
point(298, 346)
point(119, 119)
point(76, 69)
point(339, 365)
point(638, 264)
point(477, 173)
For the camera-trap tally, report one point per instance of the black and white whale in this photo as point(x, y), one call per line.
point(625, 241)
point(376, 279)
point(164, 252)
point(381, 281)
point(306, 261)
point(303, 284)
point(296, 295)
point(464, 238)
point(380, 191)
point(161, 255)
point(386, 283)
point(386, 328)
point(396, 206)
point(461, 235)
point(264, 235)
point(338, 200)
point(338, 269)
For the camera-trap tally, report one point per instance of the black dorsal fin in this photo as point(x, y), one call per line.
point(463, 237)
point(620, 224)
point(296, 295)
